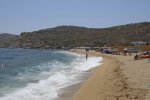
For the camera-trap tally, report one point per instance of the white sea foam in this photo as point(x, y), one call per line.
point(46, 89)
point(69, 53)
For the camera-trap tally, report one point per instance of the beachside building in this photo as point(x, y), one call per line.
point(137, 43)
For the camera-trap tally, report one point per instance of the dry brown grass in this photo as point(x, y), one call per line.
point(145, 47)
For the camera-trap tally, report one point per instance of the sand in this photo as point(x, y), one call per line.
point(119, 78)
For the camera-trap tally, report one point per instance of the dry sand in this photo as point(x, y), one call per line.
point(119, 78)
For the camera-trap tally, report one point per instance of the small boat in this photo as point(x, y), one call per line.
point(146, 56)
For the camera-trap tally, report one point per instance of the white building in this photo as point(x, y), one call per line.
point(137, 43)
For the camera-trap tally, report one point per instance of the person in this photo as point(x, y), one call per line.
point(136, 57)
point(86, 55)
point(125, 52)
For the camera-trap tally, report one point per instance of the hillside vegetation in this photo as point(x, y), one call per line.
point(7, 39)
point(73, 36)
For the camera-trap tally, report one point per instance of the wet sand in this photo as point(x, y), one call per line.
point(119, 78)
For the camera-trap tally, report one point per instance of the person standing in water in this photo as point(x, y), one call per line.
point(86, 55)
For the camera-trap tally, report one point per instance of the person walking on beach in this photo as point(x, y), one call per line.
point(86, 55)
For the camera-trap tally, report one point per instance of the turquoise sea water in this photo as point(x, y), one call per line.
point(31, 74)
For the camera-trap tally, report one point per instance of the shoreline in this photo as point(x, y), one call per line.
point(67, 93)
point(118, 78)
point(99, 86)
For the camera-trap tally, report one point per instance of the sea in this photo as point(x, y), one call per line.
point(38, 74)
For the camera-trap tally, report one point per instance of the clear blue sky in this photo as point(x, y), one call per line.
point(29, 15)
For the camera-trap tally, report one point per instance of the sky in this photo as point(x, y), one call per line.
point(18, 16)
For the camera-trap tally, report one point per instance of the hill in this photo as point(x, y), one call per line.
point(6, 39)
point(73, 36)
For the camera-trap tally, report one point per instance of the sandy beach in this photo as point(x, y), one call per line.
point(118, 78)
